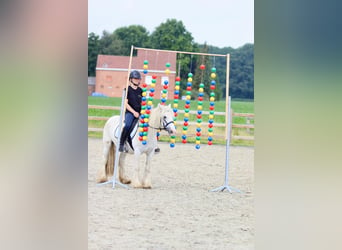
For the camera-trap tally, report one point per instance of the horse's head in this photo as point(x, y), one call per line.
point(166, 119)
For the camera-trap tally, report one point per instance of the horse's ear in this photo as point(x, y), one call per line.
point(159, 106)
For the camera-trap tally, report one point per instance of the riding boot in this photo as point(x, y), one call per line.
point(123, 138)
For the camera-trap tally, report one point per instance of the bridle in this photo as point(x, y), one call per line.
point(165, 124)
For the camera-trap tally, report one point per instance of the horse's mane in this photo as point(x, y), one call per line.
point(155, 117)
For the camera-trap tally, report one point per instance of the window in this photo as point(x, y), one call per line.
point(148, 80)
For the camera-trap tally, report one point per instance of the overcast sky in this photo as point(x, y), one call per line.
point(220, 23)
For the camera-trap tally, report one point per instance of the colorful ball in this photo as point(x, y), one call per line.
point(202, 66)
point(167, 71)
point(198, 146)
point(190, 75)
point(145, 62)
point(212, 75)
point(167, 65)
point(213, 70)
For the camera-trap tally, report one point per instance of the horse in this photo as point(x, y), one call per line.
point(161, 118)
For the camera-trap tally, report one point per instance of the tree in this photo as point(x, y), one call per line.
point(111, 45)
point(172, 35)
point(136, 35)
point(93, 51)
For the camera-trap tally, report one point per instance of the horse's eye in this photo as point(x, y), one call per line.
point(164, 116)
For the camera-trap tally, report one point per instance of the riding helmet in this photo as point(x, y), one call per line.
point(134, 74)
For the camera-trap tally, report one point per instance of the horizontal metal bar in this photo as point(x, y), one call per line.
point(181, 52)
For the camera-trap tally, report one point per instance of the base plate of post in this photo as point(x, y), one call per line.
point(222, 188)
point(113, 182)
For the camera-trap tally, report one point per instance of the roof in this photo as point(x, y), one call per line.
point(156, 61)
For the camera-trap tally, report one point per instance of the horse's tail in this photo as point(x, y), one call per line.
point(110, 161)
point(107, 170)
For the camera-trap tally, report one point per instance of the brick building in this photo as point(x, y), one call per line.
point(91, 85)
point(112, 72)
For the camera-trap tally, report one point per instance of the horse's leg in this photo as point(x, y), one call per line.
point(122, 175)
point(102, 173)
point(146, 181)
point(135, 180)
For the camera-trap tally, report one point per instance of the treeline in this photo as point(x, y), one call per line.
point(172, 35)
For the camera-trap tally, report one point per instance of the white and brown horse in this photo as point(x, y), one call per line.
point(161, 117)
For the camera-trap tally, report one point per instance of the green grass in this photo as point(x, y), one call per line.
point(238, 106)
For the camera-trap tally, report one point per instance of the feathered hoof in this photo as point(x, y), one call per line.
point(137, 185)
point(101, 179)
point(125, 180)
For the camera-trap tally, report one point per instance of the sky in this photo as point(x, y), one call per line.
point(221, 23)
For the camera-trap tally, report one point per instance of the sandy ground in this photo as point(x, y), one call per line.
point(179, 212)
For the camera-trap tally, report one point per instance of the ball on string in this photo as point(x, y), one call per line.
point(202, 67)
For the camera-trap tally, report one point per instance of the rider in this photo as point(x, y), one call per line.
point(133, 107)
